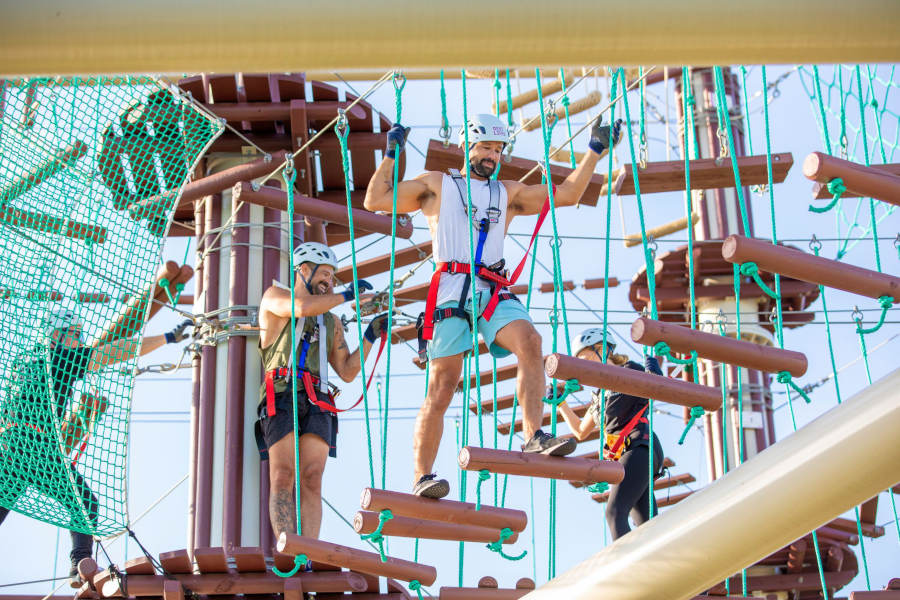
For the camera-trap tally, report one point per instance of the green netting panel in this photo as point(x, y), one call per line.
point(78, 266)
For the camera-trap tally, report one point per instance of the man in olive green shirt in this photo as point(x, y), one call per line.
point(314, 266)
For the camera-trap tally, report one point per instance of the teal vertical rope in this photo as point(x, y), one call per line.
point(865, 145)
point(565, 103)
point(819, 102)
point(725, 121)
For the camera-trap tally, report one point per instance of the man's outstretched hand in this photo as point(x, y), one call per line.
point(603, 136)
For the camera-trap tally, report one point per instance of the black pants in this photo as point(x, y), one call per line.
point(82, 543)
point(632, 496)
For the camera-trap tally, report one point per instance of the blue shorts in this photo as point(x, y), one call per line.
point(452, 335)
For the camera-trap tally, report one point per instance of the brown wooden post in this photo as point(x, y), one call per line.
point(450, 511)
point(472, 458)
point(365, 522)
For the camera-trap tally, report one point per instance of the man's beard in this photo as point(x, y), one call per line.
point(321, 288)
point(480, 169)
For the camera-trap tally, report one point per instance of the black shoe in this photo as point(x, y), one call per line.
point(544, 443)
point(429, 486)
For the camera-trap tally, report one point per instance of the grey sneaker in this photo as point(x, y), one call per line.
point(544, 443)
point(429, 486)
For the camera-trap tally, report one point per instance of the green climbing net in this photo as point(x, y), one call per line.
point(90, 170)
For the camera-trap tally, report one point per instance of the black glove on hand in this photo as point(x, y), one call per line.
point(178, 334)
point(377, 326)
point(651, 363)
point(602, 134)
point(396, 140)
point(350, 294)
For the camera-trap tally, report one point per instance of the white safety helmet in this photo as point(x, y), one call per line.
point(591, 337)
point(60, 319)
point(484, 128)
point(316, 253)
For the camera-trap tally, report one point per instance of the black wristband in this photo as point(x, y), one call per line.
point(170, 337)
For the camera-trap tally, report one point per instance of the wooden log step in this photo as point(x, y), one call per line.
point(381, 264)
point(211, 560)
point(820, 190)
point(636, 383)
point(657, 485)
point(719, 348)
point(281, 111)
point(248, 560)
point(470, 593)
point(876, 595)
point(849, 525)
point(865, 181)
point(807, 267)
point(796, 581)
point(176, 561)
point(355, 560)
point(668, 463)
point(238, 583)
point(706, 173)
point(504, 402)
point(440, 159)
point(635, 239)
point(485, 377)
point(472, 458)
point(449, 511)
point(367, 521)
point(45, 223)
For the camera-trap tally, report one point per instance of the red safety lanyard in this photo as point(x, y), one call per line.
point(431, 300)
point(309, 386)
point(627, 430)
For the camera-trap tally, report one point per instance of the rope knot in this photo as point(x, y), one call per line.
point(415, 586)
point(750, 269)
point(598, 488)
point(662, 349)
point(886, 302)
point(497, 546)
point(572, 385)
point(697, 412)
point(484, 475)
point(836, 186)
point(783, 377)
point(565, 101)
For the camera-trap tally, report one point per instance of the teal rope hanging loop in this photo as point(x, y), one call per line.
point(497, 546)
point(483, 475)
point(415, 586)
point(696, 413)
point(383, 517)
point(300, 562)
point(836, 187)
point(886, 302)
point(785, 377)
point(751, 270)
point(662, 349)
point(571, 387)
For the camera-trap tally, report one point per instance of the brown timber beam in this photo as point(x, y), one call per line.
point(719, 348)
point(355, 560)
point(281, 111)
point(748, 290)
point(661, 484)
point(237, 583)
point(472, 458)
point(799, 581)
point(636, 383)
point(381, 264)
point(806, 267)
point(366, 522)
point(449, 511)
point(820, 190)
point(270, 197)
point(862, 180)
point(706, 173)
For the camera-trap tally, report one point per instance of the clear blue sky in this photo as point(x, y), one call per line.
point(160, 433)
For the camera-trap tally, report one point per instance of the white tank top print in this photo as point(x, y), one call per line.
point(451, 243)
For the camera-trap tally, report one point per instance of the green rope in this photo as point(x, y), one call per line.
point(494, 415)
point(497, 546)
point(565, 103)
point(662, 349)
point(696, 413)
point(497, 86)
point(483, 475)
point(399, 82)
point(752, 270)
point(342, 129)
point(886, 302)
point(725, 123)
point(785, 378)
point(598, 488)
point(444, 131)
point(383, 517)
point(415, 586)
point(865, 145)
point(290, 176)
point(571, 386)
point(835, 187)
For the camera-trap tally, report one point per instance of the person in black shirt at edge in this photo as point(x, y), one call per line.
point(629, 446)
point(30, 455)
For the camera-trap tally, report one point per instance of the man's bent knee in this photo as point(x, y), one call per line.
point(311, 477)
point(281, 478)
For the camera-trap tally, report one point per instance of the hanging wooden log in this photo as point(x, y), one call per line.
point(806, 267)
point(635, 239)
point(48, 224)
point(472, 458)
point(582, 104)
point(820, 190)
point(629, 381)
point(270, 197)
point(719, 348)
point(367, 521)
point(355, 560)
point(59, 161)
point(862, 180)
point(527, 97)
point(449, 511)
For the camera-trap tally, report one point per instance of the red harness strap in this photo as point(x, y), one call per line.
point(310, 382)
point(629, 427)
point(482, 272)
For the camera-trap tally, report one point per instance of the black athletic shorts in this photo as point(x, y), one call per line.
point(311, 419)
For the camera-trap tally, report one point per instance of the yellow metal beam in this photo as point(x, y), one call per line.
point(841, 459)
point(177, 36)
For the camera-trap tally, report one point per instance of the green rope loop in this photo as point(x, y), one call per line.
point(886, 302)
point(696, 413)
point(165, 284)
point(497, 546)
point(598, 488)
point(483, 475)
point(383, 517)
point(750, 269)
point(570, 387)
point(415, 586)
point(662, 349)
point(835, 188)
point(785, 378)
point(299, 562)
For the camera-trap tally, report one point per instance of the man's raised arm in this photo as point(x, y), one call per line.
point(529, 199)
point(380, 191)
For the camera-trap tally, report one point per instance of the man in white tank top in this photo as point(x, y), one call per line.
point(505, 327)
